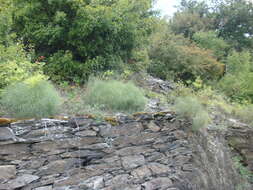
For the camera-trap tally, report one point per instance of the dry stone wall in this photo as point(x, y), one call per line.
point(147, 151)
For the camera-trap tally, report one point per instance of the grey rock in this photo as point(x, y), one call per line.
point(158, 183)
point(124, 129)
point(94, 182)
point(158, 169)
point(58, 166)
point(21, 181)
point(141, 172)
point(45, 188)
point(7, 172)
point(6, 134)
point(153, 127)
point(130, 162)
point(86, 133)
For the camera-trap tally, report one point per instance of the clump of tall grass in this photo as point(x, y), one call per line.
point(192, 109)
point(113, 95)
point(33, 98)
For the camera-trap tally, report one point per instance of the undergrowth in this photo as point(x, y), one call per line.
point(33, 98)
point(115, 96)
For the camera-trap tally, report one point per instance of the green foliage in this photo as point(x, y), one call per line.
point(34, 97)
point(188, 23)
point(192, 109)
point(6, 34)
point(234, 22)
point(244, 113)
point(238, 81)
point(174, 57)
point(210, 40)
point(244, 172)
point(15, 66)
point(79, 37)
point(115, 95)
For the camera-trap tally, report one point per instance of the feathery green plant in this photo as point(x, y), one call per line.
point(115, 96)
point(33, 98)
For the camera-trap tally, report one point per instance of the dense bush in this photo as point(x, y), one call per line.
point(173, 56)
point(5, 22)
point(34, 97)
point(114, 95)
point(210, 40)
point(238, 81)
point(15, 66)
point(192, 109)
point(80, 37)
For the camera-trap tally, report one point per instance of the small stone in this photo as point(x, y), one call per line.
point(141, 172)
point(94, 182)
point(58, 166)
point(187, 167)
point(6, 134)
point(153, 127)
point(7, 172)
point(21, 181)
point(45, 188)
point(158, 169)
point(130, 162)
point(86, 133)
point(158, 183)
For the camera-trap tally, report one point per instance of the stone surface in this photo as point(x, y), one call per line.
point(7, 172)
point(86, 133)
point(153, 127)
point(162, 183)
point(21, 181)
point(146, 151)
point(6, 134)
point(45, 188)
point(130, 162)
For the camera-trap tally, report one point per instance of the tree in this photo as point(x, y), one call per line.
point(234, 21)
point(5, 22)
point(192, 16)
point(210, 40)
point(88, 36)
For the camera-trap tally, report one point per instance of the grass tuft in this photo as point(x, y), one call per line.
point(23, 100)
point(112, 95)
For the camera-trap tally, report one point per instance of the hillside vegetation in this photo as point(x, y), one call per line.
point(96, 58)
point(205, 49)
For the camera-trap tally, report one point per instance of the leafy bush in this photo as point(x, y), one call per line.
point(96, 33)
point(210, 40)
point(61, 66)
point(244, 113)
point(187, 23)
point(238, 81)
point(5, 22)
point(174, 57)
point(15, 66)
point(115, 96)
point(34, 97)
point(192, 109)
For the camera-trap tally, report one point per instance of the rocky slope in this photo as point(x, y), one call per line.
point(146, 151)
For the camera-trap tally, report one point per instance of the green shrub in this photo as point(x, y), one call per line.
point(61, 66)
point(192, 109)
point(115, 96)
point(15, 66)
point(173, 57)
point(82, 37)
point(244, 113)
point(238, 81)
point(34, 97)
point(210, 40)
